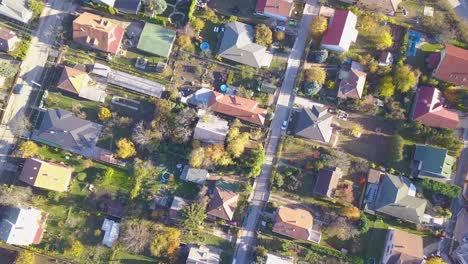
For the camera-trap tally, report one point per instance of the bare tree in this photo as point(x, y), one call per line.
point(137, 235)
point(14, 196)
point(146, 138)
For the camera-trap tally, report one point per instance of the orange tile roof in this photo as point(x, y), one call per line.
point(281, 8)
point(407, 248)
point(294, 223)
point(453, 66)
point(235, 106)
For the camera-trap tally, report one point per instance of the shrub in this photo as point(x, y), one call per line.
point(193, 6)
point(104, 114)
point(312, 88)
point(321, 56)
point(36, 7)
point(315, 74)
point(125, 148)
point(263, 35)
point(395, 153)
point(451, 191)
point(20, 50)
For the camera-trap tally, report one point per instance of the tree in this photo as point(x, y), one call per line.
point(318, 26)
point(356, 130)
point(36, 7)
point(395, 152)
point(279, 35)
point(351, 212)
point(142, 171)
point(404, 78)
point(435, 260)
point(321, 56)
point(159, 6)
point(237, 142)
point(7, 69)
point(76, 249)
point(364, 223)
point(166, 242)
point(148, 139)
point(194, 215)
point(104, 114)
point(87, 163)
point(185, 42)
point(197, 156)
point(25, 257)
point(20, 50)
point(125, 148)
point(342, 229)
point(14, 196)
point(386, 88)
point(451, 191)
point(256, 159)
point(28, 149)
point(315, 74)
point(263, 35)
point(198, 24)
point(383, 40)
point(136, 235)
point(344, 192)
point(312, 88)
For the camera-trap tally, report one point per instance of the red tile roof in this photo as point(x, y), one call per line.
point(282, 8)
point(430, 111)
point(235, 106)
point(295, 223)
point(336, 28)
point(97, 32)
point(453, 66)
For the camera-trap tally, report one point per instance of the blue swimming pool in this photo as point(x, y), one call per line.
point(414, 38)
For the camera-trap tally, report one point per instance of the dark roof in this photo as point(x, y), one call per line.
point(60, 128)
point(453, 66)
point(115, 208)
point(327, 181)
point(395, 197)
point(128, 6)
point(433, 161)
point(314, 124)
point(222, 204)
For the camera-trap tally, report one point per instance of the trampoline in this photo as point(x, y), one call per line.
point(223, 88)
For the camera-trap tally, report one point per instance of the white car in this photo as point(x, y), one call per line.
point(284, 125)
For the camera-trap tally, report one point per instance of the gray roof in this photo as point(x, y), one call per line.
point(238, 45)
point(8, 217)
point(60, 128)
point(314, 124)
point(197, 176)
point(201, 98)
point(16, 9)
point(394, 198)
point(135, 83)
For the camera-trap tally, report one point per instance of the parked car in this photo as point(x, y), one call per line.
point(284, 125)
point(19, 89)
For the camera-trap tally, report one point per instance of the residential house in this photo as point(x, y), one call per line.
point(97, 32)
point(429, 109)
point(432, 162)
point(201, 98)
point(222, 204)
point(204, 255)
point(396, 196)
point(175, 211)
point(274, 259)
point(76, 81)
point(352, 82)
point(197, 176)
point(46, 175)
point(22, 226)
point(295, 223)
point(402, 247)
point(313, 124)
point(8, 39)
point(16, 10)
point(388, 7)
point(211, 129)
point(341, 31)
point(131, 7)
point(156, 40)
point(327, 181)
point(111, 232)
point(238, 45)
point(452, 66)
point(60, 128)
point(237, 107)
point(277, 9)
point(386, 58)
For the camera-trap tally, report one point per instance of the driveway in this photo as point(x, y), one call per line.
point(260, 193)
point(31, 71)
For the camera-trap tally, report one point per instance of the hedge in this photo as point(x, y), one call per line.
point(451, 191)
point(159, 20)
point(192, 8)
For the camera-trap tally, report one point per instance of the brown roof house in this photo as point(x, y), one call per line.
point(429, 109)
point(50, 176)
point(327, 181)
point(97, 32)
point(453, 65)
point(402, 248)
point(388, 7)
point(8, 39)
point(76, 81)
point(352, 82)
point(238, 107)
point(277, 9)
point(222, 204)
point(295, 223)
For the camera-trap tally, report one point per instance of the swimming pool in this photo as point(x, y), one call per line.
point(414, 38)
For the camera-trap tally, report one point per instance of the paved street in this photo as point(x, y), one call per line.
point(461, 7)
point(246, 240)
point(31, 71)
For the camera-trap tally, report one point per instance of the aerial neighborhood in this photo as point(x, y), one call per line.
point(216, 131)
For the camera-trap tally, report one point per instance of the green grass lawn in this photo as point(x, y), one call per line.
point(58, 100)
point(127, 258)
point(428, 47)
point(375, 243)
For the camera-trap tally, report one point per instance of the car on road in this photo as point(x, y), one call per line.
point(284, 125)
point(19, 89)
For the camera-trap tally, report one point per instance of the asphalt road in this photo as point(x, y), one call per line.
point(246, 239)
point(31, 71)
point(461, 8)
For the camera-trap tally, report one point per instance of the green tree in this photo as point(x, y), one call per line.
point(185, 42)
point(76, 249)
point(315, 74)
point(142, 170)
point(7, 69)
point(263, 35)
point(20, 50)
point(166, 242)
point(36, 7)
point(104, 114)
point(125, 148)
point(25, 257)
point(28, 149)
point(318, 26)
point(404, 78)
point(312, 88)
point(198, 24)
point(197, 156)
point(256, 159)
point(387, 89)
point(237, 142)
point(383, 40)
point(395, 152)
point(451, 191)
point(194, 215)
point(159, 6)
